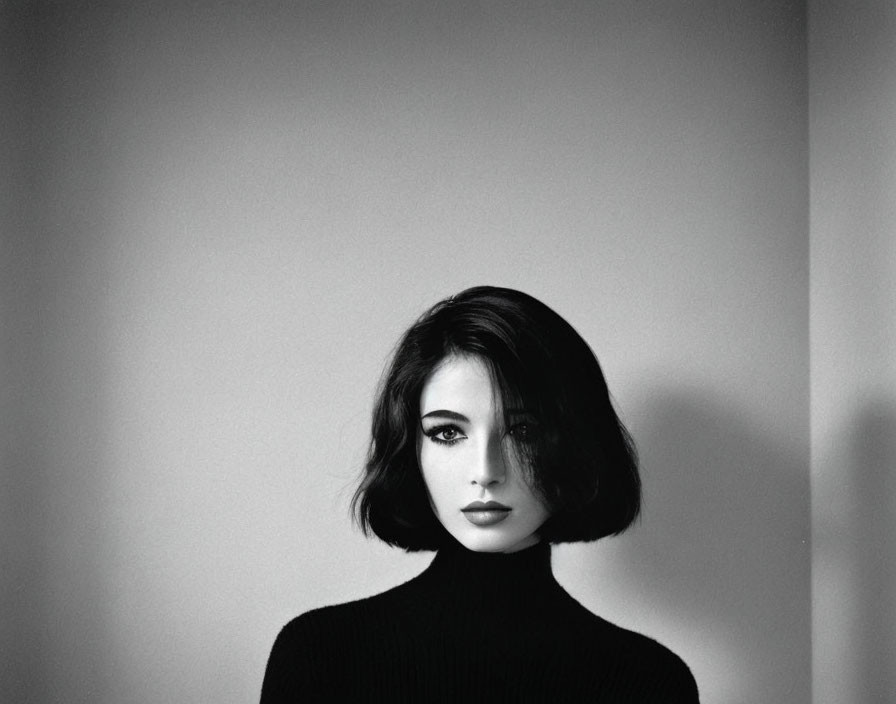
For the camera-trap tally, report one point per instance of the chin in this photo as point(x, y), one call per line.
point(494, 541)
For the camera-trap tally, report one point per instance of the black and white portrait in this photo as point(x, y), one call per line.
point(274, 281)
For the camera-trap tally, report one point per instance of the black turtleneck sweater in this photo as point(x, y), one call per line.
point(472, 627)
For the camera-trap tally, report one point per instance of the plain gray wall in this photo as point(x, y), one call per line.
point(853, 350)
point(221, 221)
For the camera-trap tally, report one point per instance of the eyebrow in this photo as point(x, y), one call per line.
point(452, 415)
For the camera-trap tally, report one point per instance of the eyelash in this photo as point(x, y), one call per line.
point(437, 430)
point(527, 434)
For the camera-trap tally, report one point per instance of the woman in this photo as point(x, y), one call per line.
point(493, 437)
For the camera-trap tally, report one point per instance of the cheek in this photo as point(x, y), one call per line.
point(536, 505)
point(433, 471)
point(544, 511)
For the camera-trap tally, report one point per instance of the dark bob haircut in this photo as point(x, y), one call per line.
point(582, 462)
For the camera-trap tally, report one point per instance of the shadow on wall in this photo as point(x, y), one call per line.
point(723, 547)
point(866, 551)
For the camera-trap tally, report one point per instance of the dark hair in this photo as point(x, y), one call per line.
point(583, 461)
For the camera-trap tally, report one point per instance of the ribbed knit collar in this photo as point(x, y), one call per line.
point(496, 581)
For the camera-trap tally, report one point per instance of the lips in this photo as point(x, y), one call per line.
point(485, 513)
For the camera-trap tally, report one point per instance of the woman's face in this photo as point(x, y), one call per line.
point(470, 460)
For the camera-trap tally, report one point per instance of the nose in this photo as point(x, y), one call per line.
point(492, 465)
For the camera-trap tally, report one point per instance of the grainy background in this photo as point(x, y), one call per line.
point(218, 220)
point(853, 350)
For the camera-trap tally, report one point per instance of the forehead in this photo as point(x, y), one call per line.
point(459, 384)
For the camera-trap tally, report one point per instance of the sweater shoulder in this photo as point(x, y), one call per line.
point(640, 655)
point(627, 641)
point(309, 646)
point(355, 612)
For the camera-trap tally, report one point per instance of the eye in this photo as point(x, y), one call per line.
point(523, 432)
point(444, 434)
